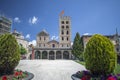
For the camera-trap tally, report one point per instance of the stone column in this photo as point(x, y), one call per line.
point(48, 55)
point(55, 55)
point(41, 55)
point(62, 54)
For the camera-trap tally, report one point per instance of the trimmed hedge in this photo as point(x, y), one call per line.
point(9, 54)
point(100, 56)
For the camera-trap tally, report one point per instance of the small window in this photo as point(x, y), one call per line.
point(67, 22)
point(67, 45)
point(62, 22)
point(67, 39)
point(62, 38)
point(53, 45)
point(39, 45)
point(62, 27)
point(40, 38)
point(44, 45)
point(67, 27)
point(67, 32)
point(62, 32)
point(44, 38)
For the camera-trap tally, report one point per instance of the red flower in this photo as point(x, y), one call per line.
point(111, 78)
point(4, 78)
point(16, 73)
point(84, 78)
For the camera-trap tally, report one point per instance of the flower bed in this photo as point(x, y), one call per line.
point(86, 75)
point(18, 75)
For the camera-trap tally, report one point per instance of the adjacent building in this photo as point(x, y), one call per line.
point(52, 49)
point(5, 25)
point(20, 39)
point(115, 39)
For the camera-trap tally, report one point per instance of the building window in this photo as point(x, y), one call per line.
point(53, 45)
point(67, 39)
point(67, 22)
point(67, 45)
point(62, 22)
point(62, 27)
point(67, 32)
point(44, 45)
point(39, 45)
point(67, 27)
point(40, 38)
point(62, 32)
point(44, 38)
point(62, 45)
point(62, 38)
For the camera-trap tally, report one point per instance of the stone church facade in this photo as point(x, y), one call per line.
point(52, 49)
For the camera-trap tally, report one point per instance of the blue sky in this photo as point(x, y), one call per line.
point(87, 16)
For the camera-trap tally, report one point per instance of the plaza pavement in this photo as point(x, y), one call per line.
point(50, 69)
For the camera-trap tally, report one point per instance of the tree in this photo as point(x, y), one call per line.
point(22, 50)
point(9, 54)
point(77, 48)
point(100, 56)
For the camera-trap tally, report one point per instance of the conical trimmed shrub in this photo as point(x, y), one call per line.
point(100, 56)
point(9, 54)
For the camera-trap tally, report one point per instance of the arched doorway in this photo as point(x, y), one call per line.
point(44, 55)
point(51, 55)
point(65, 55)
point(37, 55)
point(58, 55)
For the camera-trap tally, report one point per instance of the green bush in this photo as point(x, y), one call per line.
point(9, 54)
point(100, 56)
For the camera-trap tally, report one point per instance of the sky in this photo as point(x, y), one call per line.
point(87, 16)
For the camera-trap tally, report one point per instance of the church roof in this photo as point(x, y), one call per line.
point(43, 33)
point(53, 41)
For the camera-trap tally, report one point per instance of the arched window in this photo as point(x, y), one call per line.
point(62, 22)
point(62, 32)
point(62, 27)
point(67, 32)
point(67, 39)
point(67, 22)
point(62, 38)
point(67, 27)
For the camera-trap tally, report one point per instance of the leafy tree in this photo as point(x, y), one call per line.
point(100, 56)
point(22, 50)
point(9, 54)
point(77, 47)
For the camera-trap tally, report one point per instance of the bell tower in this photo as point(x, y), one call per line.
point(65, 31)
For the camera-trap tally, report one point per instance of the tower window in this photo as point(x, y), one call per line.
point(62, 38)
point(62, 27)
point(67, 22)
point(62, 32)
point(67, 39)
point(62, 22)
point(67, 32)
point(67, 27)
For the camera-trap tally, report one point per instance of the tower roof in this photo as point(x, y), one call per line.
point(43, 33)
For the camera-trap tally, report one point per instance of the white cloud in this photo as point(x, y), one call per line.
point(33, 20)
point(33, 42)
point(17, 20)
point(54, 37)
point(28, 36)
point(71, 43)
point(87, 34)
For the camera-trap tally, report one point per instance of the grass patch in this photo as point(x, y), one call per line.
point(80, 62)
point(117, 69)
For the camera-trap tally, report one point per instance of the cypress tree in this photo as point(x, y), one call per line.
point(77, 48)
